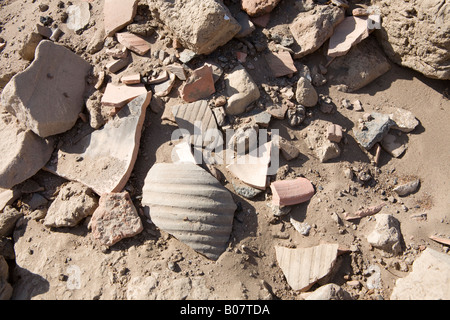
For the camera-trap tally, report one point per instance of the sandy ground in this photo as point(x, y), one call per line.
point(250, 258)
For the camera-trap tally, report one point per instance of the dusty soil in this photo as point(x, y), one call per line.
point(250, 257)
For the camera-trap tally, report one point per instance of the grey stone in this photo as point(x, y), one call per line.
point(407, 188)
point(404, 120)
point(247, 26)
point(48, 96)
point(245, 190)
point(386, 235)
point(394, 145)
point(374, 130)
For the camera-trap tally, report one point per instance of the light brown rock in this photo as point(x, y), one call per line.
point(48, 96)
point(306, 94)
point(115, 218)
point(257, 8)
point(201, 26)
point(23, 152)
point(312, 28)
point(240, 89)
point(117, 14)
point(348, 33)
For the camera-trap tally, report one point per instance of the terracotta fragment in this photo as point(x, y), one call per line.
point(290, 192)
point(281, 63)
point(133, 42)
point(119, 95)
point(117, 14)
point(348, 33)
point(199, 86)
point(364, 212)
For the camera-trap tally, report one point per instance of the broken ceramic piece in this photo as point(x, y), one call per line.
point(199, 121)
point(190, 204)
point(115, 218)
point(104, 159)
point(290, 192)
point(200, 85)
point(348, 33)
point(117, 14)
point(303, 267)
point(133, 42)
point(364, 212)
point(280, 63)
point(119, 95)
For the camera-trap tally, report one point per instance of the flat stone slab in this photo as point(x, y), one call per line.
point(133, 42)
point(303, 267)
point(117, 14)
point(47, 97)
point(119, 95)
point(115, 218)
point(186, 201)
point(104, 159)
point(23, 152)
point(199, 26)
point(428, 280)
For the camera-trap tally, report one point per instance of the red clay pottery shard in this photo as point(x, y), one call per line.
point(347, 34)
point(290, 192)
point(48, 95)
point(364, 212)
point(118, 14)
point(131, 79)
point(303, 267)
point(257, 8)
point(199, 86)
point(281, 63)
point(133, 42)
point(104, 159)
point(189, 203)
point(119, 95)
point(115, 218)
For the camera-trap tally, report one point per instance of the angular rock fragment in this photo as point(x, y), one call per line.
point(407, 188)
point(163, 89)
point(334, 133)
point(415, 35)
point(280, 63)
point(240, 89)
point(247, 26)
point(429, 279)
point(288, 149)
point(117, 14)
point(404, 120)
point(303, 267)
point(329, 291)
point(6, 290)
point(290, 192)
point(198, 119)
point(327, 151)
point(8, 218)
point(29, 46)
point(374, 130)
point(119, 95)
point(386, 235)
point(257, 8)
point(115, 218)
point(8, 196)
point(48, 96)
point(348, 33)
point(199, 26)
point(278, 111)
point(104, 159)
point(133, 42)
point(78, 16)
point(364, 63)
point(306, 94)
point(23, 152)
point(393, 145)
point(189, 203)
point(73, 203)
point(178, 70)
point(312, 28)
point(200, 85)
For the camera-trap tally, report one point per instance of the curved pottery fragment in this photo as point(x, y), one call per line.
point(190, 204)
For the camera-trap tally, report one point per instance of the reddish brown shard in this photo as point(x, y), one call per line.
point(364, 212)
point(281, 63)
point(290, 192)
point(199, 86)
